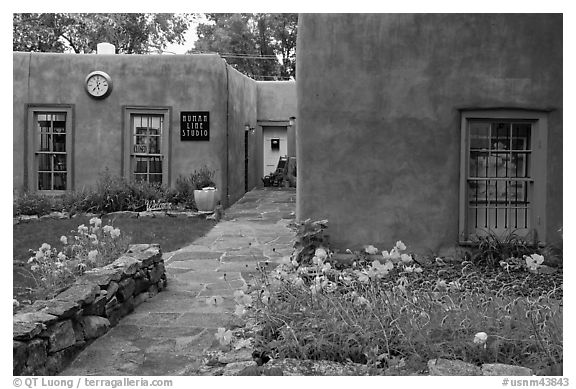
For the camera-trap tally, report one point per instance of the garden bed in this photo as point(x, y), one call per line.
point(171, 230)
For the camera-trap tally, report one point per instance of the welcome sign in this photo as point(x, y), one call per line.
point(194, 125)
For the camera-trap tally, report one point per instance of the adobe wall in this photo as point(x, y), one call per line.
point(378, 137)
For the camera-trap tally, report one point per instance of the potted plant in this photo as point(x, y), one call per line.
point(205, 192)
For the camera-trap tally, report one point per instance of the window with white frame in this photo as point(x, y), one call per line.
point(503, 176)
point(50, 143)
point(147, 140)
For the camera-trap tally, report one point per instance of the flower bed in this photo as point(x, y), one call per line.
point(48, 334)
point(394, 313)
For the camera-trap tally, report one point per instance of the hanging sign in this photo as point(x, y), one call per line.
point(195, 125)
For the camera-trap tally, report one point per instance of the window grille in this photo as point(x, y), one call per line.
point(147, 154)
point(51, 151)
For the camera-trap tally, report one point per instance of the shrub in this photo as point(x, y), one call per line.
point(88, 247)
point(32, 203)
point(183, 192)
point(491, 249)
point(202, 178)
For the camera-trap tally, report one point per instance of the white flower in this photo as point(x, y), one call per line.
point(480, 338)
point(45, 247)
point(64, 239)
point(321, 253)
point(34, 267)
point(107, 229)
point(371, 250)
point(298, 281)
point(533, 261)
point(406, 258)
point(15, 303)
point(82, 229)
point(223, 336)
point(400, 246)
point(386, 254)
point(61, 256)
point(115, 233)
point(240, 310)
point(92, 254)
point(96, 221)
point(31, 259)
point(395, 254)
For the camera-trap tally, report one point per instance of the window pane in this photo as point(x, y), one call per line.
point(154, 145)
point(141, 165)
point(155, 178)
point(44, 125)
point(479, 135)
point(45, 162)
point(59, 181)
point(45, 181)
point(60, 162)
point(45, 140)
point(141, 130)
point(521, 136)
point(59, 143)
point(155, 123)
point(155, 165)
point(500, 136)
point(59, 126)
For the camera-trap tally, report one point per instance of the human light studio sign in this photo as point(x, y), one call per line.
point(195, 125)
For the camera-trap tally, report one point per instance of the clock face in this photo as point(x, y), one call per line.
point(98, 84)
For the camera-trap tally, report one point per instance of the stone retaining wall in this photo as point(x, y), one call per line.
point(48, 334)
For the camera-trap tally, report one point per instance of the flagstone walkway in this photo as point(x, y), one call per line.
point(169, 333)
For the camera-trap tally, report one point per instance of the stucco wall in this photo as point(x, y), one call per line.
point(242, 110)
point(378, 137)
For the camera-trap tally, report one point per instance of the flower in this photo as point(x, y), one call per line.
point(96, 221)
point(115, 233)
point(15, 303)
point(107, 229)
point(406, 258)
point(382, 269)
point(223, 336)
point(321, 253)
point(533, 261)
point(395, 254)
point(64, 239)
point(241, 298)
point(45, 247)
point(61, 256)
point(400, 246)
point(31, 259)
point(92, 254)
point(386, 254)
point(480, 338)
point(361, 301)
point(240, 310)
point(34, 267)
point(82, 229)
point(371, 250)
point(298, 281)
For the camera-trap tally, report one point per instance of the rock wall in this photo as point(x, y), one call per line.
point(50, 333)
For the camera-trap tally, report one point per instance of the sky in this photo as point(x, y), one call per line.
point(189, 38)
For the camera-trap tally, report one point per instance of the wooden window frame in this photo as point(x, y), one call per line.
point(32, 147)
point(128, 111)
point(539, 140)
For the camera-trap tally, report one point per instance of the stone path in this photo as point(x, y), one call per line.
point(169, 333)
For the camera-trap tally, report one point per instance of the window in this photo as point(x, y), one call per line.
point(50, 143)
point(503, 174)
point(275, 143)
point(147, 141)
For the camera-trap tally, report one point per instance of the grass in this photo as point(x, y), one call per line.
point(171, 233)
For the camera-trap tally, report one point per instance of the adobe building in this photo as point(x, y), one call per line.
point(145, 117)
point(430, 128)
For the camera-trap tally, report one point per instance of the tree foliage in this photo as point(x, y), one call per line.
point(252, 43)
point(131, 33)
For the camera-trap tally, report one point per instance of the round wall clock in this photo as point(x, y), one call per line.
point(98, 84)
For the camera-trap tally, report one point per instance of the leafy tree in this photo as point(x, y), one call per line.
point(252, 43)
point(131, 33)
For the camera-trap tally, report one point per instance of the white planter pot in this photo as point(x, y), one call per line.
point(206, 199)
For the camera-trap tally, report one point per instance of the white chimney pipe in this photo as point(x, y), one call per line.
point(105, 48)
